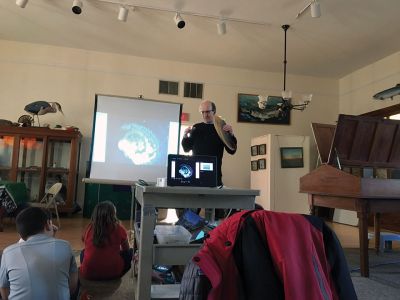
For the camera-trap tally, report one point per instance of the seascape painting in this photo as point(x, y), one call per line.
point(292, 157)
point(251, 110)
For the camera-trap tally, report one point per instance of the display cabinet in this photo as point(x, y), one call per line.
point(40, 157)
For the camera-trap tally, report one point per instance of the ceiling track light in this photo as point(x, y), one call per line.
point(21, 3)
point(127, 3)
point(315, 9)
point(221, 27)
point(179, 21)
point(77, 7)
point(123, 13)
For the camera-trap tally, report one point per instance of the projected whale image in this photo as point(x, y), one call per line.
point(139, 144)
point(186, 171)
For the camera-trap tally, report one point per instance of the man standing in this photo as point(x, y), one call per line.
point(203, 139)
point(40, 266)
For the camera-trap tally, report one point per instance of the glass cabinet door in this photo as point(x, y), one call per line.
point(6, 152)
point(59, 152)
point(58, 160)
point(30, 165)
point(40, 157)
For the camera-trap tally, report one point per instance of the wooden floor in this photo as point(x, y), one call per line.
point(72, 227)
point(71, 230)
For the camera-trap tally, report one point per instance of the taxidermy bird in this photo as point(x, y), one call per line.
point(39, 108)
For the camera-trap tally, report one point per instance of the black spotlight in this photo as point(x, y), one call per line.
point(179, 21)
point(77, 7)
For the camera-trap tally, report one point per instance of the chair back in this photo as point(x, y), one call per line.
point(55, 189)
point(49, 197)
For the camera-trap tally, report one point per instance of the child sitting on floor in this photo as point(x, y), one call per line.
point(106, 254)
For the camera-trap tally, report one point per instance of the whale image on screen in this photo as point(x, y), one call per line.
point(186, 171)
point(139, 144)
point(133, 137)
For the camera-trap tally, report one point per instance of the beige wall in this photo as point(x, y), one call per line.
point(72, 77)
point(356, 89)
point(279, 187)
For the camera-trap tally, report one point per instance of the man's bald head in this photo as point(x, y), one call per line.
point(207, 109)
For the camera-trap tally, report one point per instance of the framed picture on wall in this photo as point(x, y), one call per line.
point(254, 150)
point(262, 163)
point(262, 149)
point(254, 165)
point(292, 157)
point(265, 111)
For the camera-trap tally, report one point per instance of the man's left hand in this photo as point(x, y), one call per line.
point(228, 128)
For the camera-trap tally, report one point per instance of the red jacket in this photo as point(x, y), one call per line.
point(297, 251)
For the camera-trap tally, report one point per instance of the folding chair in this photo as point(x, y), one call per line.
point(49, 200)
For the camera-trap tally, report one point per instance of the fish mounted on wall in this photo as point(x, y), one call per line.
point(389, 93)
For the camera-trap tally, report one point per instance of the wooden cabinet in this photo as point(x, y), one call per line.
point(41, 157)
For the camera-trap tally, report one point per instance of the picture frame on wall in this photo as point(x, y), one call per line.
point(292, 157)
point(252, 110)
point(262, 149)
point(254, 165)
point(254, 150)
point(262, 164)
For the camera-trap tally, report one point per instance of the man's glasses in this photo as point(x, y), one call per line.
point(206, 112)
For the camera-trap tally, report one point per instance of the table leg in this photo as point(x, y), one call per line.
point(2, 213)
point(311, 204)
point(131, 234)
point(377, 231)
point(146, 233)
point(363, 235)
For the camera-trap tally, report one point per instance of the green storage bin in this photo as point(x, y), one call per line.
point(17, 191)
point(120, 195)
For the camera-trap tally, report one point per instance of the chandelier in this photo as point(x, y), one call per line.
point(282, 108)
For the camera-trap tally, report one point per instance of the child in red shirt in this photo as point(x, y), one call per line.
point(106, 254)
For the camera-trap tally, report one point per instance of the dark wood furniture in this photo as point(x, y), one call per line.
point(40, 157)
point(362, 142)
point(323, 135)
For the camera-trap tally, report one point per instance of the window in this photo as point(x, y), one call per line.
point(168, 87)
point(193, 90)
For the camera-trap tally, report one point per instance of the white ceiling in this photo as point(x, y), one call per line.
point(350, 33)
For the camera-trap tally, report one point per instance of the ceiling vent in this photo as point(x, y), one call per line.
point(168, 87)
point(193, 90)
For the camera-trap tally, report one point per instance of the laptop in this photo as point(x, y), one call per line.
point(196, 170)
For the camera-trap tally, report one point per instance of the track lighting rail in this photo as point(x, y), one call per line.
point(183, 12)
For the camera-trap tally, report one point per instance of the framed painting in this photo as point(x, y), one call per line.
point(252, 110)
point(262, 149)
point(292, 157)
point(262, 163)
point(254, 165)
point(254, 150)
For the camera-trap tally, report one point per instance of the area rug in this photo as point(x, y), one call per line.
point(107, 290)
point(383, 283)
point(384, 279)
point(384, 268)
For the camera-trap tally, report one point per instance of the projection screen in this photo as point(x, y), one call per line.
point(132, 138)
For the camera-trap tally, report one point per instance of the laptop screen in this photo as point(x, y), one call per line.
point(196, 170)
